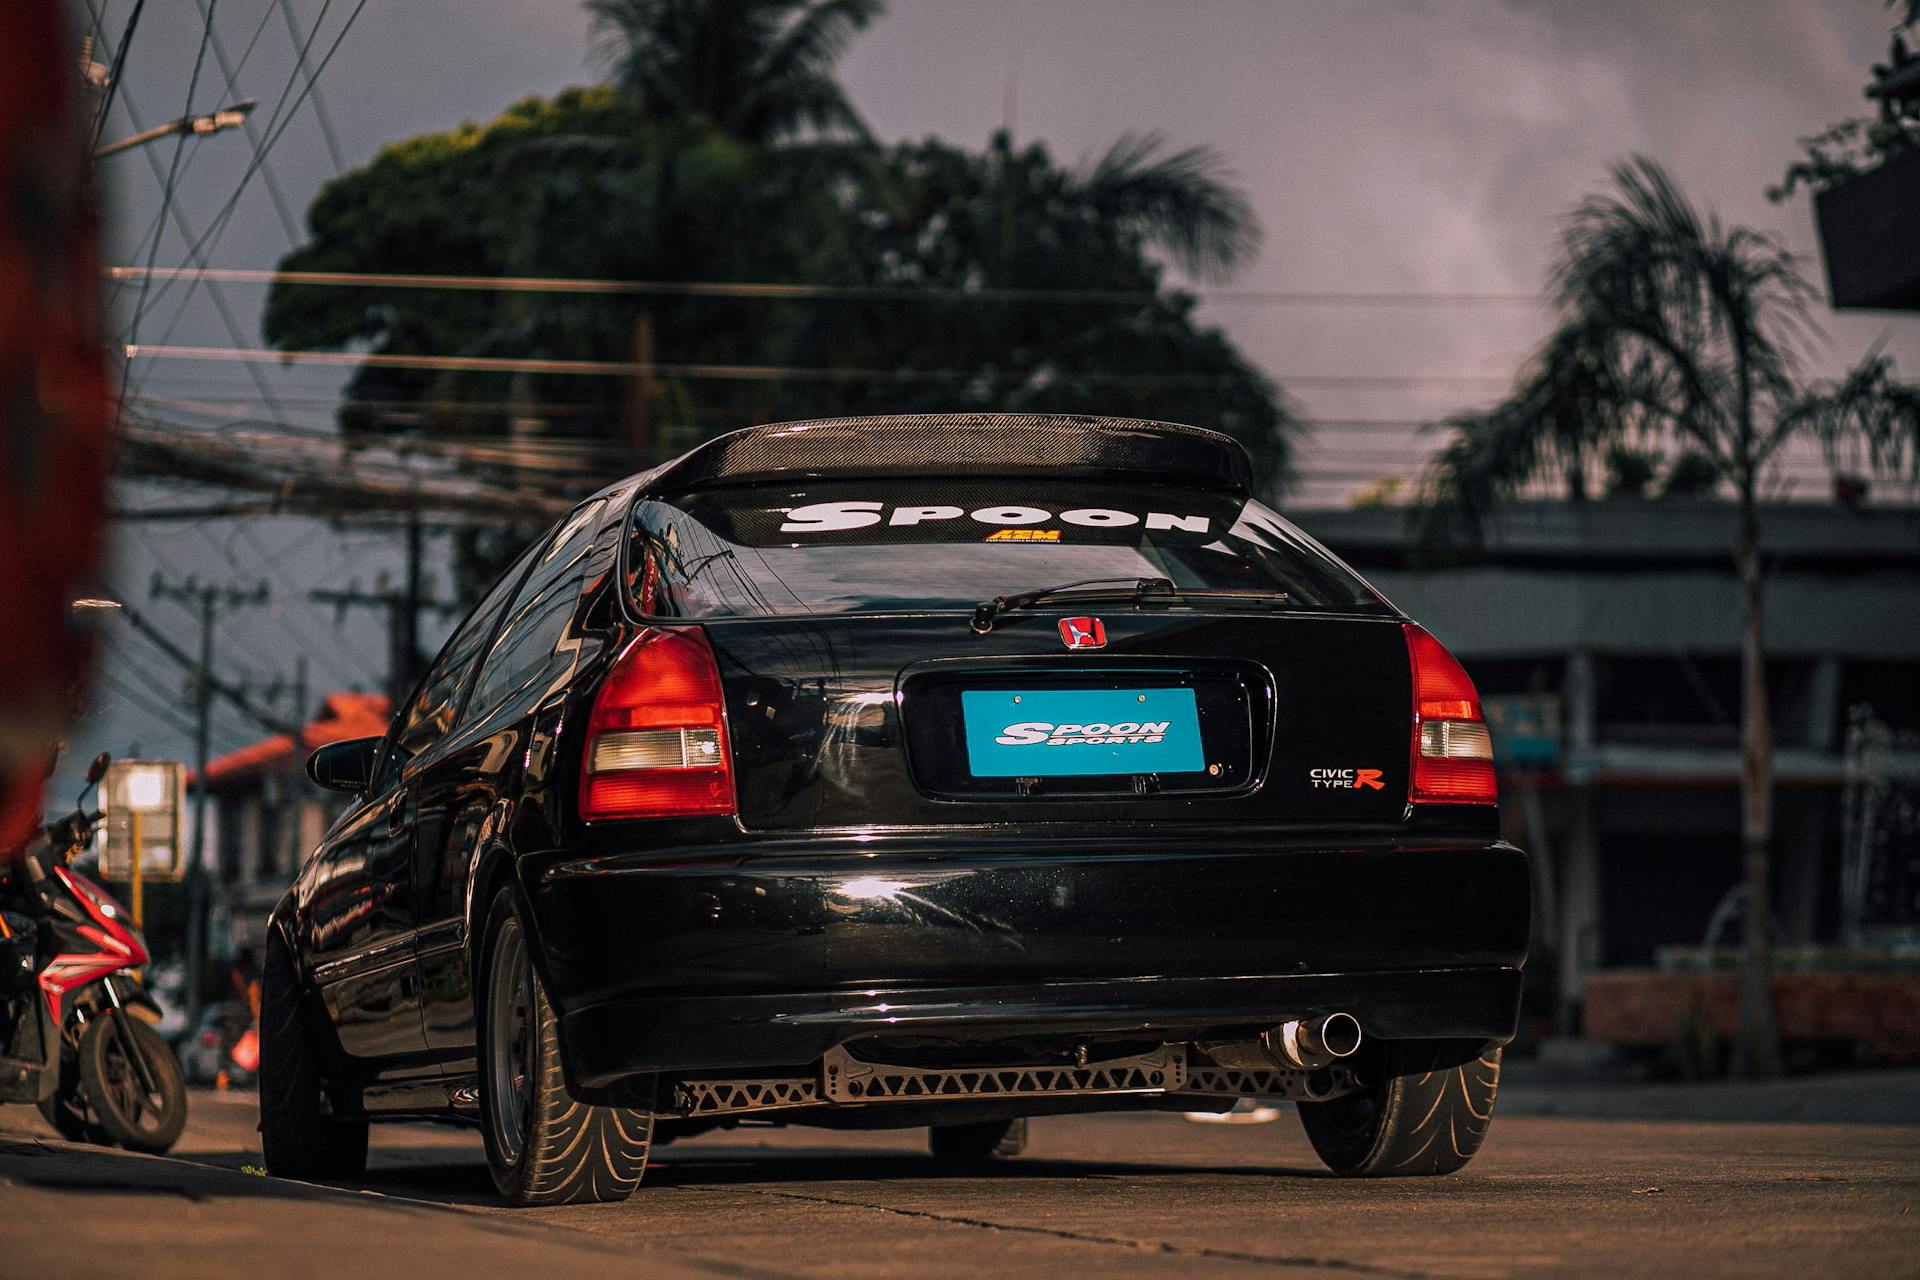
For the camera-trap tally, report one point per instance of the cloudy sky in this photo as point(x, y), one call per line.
point(1389, 147)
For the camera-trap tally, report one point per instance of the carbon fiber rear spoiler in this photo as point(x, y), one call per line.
point(961, 444)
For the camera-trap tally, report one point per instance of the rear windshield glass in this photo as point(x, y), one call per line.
point(864, 546)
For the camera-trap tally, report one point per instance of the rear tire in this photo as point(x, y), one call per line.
point(1426, 1110)
point(297, 1136)
point(140, 1104)
point(543, 1147)
point(978, 1143)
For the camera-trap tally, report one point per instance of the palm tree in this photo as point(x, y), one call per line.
point(759, 70)
point(1681, 336)
point(1180, 202)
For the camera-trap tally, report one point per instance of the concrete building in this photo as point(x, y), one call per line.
point(1606, 635)
point(267, 816)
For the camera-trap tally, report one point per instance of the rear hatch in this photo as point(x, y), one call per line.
point(846, 722)
point(1221, 668)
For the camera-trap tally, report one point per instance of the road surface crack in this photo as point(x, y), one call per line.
point(1167, 1247)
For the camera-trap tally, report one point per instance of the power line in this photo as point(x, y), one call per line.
point(276, 127)
point(788, 291)
point(232, 73)
point(147, 702)
point(172, 210)
point(540, 408)
point(199, 246)
point(171, 568)
point(173, 173)
point(744, 372)
point(118, 69)
point(319, 103)
point(229, 409)
point(301, 642)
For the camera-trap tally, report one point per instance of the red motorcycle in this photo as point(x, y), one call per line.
point(75, 1021)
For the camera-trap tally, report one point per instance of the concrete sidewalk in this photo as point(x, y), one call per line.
point(1122, 1197)
point(1882, 1096)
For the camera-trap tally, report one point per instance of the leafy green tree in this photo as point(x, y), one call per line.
point(758, 70)
point(725, 152)
point(1680, 337)
point(1001, 280)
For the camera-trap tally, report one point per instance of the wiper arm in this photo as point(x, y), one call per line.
point(1130, 588)
point(1138, 590)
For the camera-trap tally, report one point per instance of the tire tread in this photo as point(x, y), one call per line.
point(297, 1138)
point(575, 1153)
point(1431, 1116)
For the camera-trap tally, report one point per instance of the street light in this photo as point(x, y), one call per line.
point(213, 122)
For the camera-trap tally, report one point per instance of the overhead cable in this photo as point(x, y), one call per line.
point(748, 372)
point(787, 290)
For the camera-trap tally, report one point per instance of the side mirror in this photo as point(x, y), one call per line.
point(344, 766)
point(98, 769)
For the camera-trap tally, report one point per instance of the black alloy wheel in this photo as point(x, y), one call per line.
point(543, 1147)
point(299, 1138)
point(1425, 1110)
point(133, 1083)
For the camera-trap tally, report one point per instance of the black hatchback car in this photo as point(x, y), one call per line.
point(915, 771)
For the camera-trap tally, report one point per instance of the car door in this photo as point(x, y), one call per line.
point(364, 914)
point(359, 931)
point(469, 788)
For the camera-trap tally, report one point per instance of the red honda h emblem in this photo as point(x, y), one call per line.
point(1083, 633)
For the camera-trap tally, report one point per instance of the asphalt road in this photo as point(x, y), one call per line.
point(1111, 1197)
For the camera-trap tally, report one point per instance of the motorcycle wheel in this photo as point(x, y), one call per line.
point(133, 1084)
point(67, 1111)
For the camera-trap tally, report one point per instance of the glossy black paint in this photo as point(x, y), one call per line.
point(344, 766)
point(856, 895)
point(816, 708)
point(1036, 918)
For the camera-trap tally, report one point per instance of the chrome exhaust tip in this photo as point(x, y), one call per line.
point(1308, 1044)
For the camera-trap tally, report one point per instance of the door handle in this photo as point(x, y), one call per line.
point(400, 815)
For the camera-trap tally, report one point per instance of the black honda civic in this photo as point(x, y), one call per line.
point(931, 771)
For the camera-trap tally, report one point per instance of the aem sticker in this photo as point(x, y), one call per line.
point(1024, 535)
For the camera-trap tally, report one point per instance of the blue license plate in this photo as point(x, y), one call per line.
point(1057, 733)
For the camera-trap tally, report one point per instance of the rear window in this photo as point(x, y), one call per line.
point(866, 546)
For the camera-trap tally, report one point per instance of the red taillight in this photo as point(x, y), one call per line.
point(1452, 751)
point(656, 743)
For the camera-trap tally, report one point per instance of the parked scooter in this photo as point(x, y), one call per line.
point(75, 1021)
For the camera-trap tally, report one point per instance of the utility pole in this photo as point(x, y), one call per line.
point(235, 694)
point(297, 765)
point(402, 605)
point(406, 620)
point(208, 599)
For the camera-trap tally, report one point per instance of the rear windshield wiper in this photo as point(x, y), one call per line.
point(1139, 590)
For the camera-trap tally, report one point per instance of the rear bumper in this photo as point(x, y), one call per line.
point(615, 1039)
point(775, 956)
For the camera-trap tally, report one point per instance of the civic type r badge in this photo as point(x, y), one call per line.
point(1083, 633)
